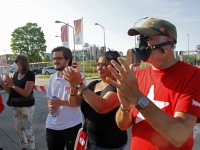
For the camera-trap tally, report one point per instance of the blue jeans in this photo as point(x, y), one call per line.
point(93, 147)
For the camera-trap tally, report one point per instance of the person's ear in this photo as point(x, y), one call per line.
point(67, 61)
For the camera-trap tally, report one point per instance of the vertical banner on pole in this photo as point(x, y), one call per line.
point(78, 27)
point(65, 35)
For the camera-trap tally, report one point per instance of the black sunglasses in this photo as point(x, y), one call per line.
point(143, 37)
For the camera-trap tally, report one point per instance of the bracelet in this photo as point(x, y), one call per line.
point(73, 94)
point(124, 110)
point(84, 90)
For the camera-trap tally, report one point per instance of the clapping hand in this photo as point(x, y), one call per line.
point(74, 77)
point(127, 83)
point(8, 80)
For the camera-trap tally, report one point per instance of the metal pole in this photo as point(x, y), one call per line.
point(135, 24)
point(74, 41)
point(74, 46)
point(38, 59)
point(195, 57)
point(73, 35)
point(104, 35)
point(104, 39)
point(83, 61)
point(188, 49)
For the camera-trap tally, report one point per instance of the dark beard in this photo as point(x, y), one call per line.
point(60, 69)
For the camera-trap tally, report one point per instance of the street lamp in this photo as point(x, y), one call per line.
point(188, 49)
point(73, 35)
point(57, 36)
point(38, 59)
point(103, 33)
point(135, 24)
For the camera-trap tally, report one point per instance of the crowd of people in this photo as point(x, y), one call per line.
point(161, 102)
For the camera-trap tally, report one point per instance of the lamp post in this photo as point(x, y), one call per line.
point(57, 36)
point(188, 49)
point(135, 24)
point(73, 35)
point(38, 59)
point(103, 33)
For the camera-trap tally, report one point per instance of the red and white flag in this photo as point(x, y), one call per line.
point(65, 35)
point(78, 27)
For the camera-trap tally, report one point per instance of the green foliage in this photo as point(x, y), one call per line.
point(90, 75)
point(89, 66)
point(85, 75)
point(29, 40)
point(193, 59)
point(46, 59)
point(44, 76)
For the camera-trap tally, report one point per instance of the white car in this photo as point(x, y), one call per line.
point(11, 70)
point(48, 70)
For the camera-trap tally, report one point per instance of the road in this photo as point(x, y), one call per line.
point(8, 137)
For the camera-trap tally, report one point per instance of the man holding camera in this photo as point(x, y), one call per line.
point(161, 102)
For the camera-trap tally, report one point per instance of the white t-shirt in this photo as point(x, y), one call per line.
point(67, 116)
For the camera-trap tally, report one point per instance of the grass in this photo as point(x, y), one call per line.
point(44, 76)
point(90, 75)
point(86, 75)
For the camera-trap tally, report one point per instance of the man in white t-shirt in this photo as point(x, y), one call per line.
point(63, 121)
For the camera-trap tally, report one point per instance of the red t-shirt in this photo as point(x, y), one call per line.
point(175, 89)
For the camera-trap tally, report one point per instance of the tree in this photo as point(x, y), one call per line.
point(29, 40)
point(46, 59)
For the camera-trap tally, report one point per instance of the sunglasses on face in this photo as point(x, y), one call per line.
point(143, 37)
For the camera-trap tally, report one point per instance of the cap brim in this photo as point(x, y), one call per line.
point(142, 30)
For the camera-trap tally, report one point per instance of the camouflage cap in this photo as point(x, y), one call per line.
point(155, 26)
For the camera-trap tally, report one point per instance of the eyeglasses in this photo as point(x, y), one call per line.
point(57, 58)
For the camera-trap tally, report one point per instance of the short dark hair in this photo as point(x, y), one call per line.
point(67, 54)
point(24, 62)
point(110, 55)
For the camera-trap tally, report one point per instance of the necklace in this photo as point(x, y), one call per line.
point(20, 75)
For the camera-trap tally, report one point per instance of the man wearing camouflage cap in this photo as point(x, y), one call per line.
point(161, 102)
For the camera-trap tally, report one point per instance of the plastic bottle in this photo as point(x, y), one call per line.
point(56, 113)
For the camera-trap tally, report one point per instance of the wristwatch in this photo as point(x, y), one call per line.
point(13, 86)
point(143, 102)
point(79, 85)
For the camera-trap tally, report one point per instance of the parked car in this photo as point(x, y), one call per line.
point(48, 70)
point(36, 70)
point(1, 86)
point(11, 70)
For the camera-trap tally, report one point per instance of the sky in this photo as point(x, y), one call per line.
point(116, 16)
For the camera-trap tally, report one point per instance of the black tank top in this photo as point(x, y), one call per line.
point(101, 128)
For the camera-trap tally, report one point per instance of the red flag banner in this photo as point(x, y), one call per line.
point(78, 31)
point(65, 35)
